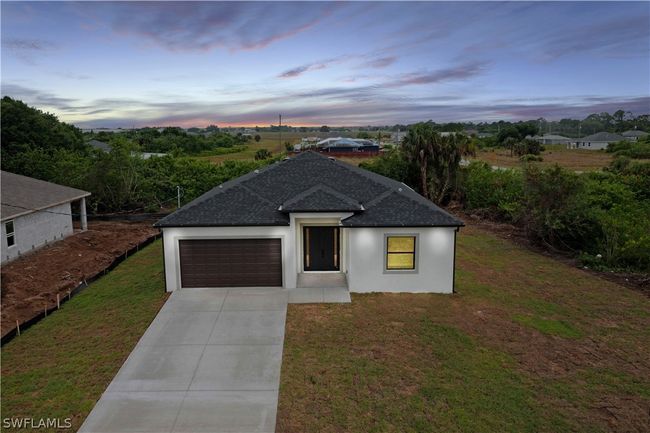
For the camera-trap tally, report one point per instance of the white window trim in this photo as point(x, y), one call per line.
point(416, 254)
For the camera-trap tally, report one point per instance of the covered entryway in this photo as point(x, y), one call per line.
point(321, 248)
point(230, 262)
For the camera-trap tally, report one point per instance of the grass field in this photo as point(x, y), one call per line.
point(526, 345)
point(270, 141)
point(572, 159)
point(60, 366)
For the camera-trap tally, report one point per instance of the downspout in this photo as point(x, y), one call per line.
point(162, 237)
point(453, 282)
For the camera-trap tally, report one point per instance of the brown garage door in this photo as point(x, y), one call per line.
point(231, 262)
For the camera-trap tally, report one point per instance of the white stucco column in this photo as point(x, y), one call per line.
point(84, 217)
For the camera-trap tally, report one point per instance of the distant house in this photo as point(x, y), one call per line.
point(552, 139)
point(147, 155)
point(35, 212)
point(634, 135)
point(342, 144)
point(104, 147)
point(598, 141)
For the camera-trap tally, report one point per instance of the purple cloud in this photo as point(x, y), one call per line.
point(621, 36)
point(380, 62)
point(204, 26)
point(460, 72)
point(27, 50)
point(315, 66)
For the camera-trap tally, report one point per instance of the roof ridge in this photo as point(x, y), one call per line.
point(386, 181)
point(324, 188)
point(224, 186)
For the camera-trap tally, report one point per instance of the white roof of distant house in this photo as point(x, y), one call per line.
point(22, 195)
point(634, 133)
point(602, 136)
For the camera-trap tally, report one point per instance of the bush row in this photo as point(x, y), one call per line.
point(603, 217)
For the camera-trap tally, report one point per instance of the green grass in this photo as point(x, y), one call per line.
point(549, 326)
point(60, 366)
point(527, 344)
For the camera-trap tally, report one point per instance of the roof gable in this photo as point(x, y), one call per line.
point(321, 198)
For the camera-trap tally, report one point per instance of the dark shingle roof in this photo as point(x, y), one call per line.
point(22, 195)
point(310, 182)
point(321, 198)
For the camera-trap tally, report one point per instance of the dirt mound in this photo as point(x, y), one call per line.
point(31, 283)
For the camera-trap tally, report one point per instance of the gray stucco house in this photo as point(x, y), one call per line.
point(598, 141)
point(35, 212)
point(310, 216)
point(634, 135)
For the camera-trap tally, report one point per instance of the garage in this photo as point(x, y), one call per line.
point(230, 262)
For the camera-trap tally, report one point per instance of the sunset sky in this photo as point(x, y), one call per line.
point(193, 64)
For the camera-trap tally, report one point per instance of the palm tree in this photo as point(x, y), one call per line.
point(436, 158)
point(418, 150)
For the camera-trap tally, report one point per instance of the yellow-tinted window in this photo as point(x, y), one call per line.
point(400, 252)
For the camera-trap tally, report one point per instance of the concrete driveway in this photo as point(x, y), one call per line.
point(209, 362)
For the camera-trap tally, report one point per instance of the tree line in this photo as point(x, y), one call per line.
point(601, 217)
point(37, 144)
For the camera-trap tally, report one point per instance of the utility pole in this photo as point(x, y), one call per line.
point(280, 129)
point(178, 196)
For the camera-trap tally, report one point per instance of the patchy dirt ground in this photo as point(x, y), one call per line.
point(31, 283)
point(572, 159)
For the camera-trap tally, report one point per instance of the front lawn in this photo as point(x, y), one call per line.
point(526, 345)
point(60, 367)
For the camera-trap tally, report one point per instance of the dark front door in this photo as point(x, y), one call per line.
point(321, 248)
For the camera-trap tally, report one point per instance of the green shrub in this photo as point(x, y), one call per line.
point(262, 154)
point(636, 151)
point(553, 210)
point(619, 145)
point(631, 149)
point(500, 191)
point(393, 164)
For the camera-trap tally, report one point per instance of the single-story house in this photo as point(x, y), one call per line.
point(35, 212)
point(552, 139)
point(634, 135)
point(310, 214)
point(598, 141)
point(342, 144)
